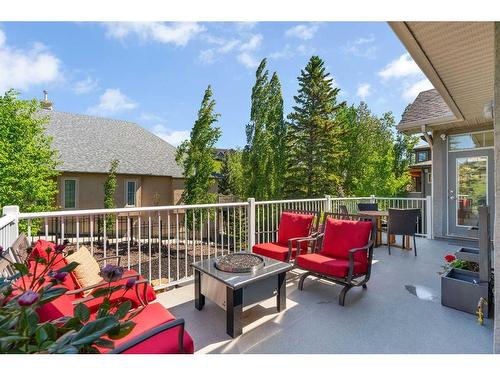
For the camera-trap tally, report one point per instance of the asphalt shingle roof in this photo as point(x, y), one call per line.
point(90, 144)
point(428, 107)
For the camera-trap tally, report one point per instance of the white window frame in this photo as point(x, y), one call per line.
point(63, 190)
point(469, 133)
point(126, 193)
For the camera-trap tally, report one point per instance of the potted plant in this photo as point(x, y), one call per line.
point(461, 287)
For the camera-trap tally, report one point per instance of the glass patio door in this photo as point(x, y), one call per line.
point(470, 185)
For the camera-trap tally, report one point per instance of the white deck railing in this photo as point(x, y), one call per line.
point(161, 242)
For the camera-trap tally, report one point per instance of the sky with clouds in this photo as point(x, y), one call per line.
point(155, 73)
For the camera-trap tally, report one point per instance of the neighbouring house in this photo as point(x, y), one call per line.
point(148, 174)
point(420, 171)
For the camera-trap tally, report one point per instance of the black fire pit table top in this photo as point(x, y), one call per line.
point(238, 280)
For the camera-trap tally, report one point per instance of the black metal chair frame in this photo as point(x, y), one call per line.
point(402, 232)
point(153, 332)
point(368, 206)
point(312, 231)
point(352, 279)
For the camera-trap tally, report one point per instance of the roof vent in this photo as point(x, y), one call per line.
point(45, 103)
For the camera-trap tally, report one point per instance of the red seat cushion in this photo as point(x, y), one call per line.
point(329, 266)
point(122, 295)
point(294, 225)
point(273, 250)
point(165, 342)
point(344, 235)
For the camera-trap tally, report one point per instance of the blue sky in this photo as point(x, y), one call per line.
point(155, 73)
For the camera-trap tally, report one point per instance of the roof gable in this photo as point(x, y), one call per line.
point(89, 144)
point(427, 108)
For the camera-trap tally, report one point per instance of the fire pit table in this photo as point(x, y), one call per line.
point(238, 280)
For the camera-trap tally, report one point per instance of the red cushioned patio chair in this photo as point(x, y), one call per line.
point(293, 225)
point(139, 296)
point(341, 253)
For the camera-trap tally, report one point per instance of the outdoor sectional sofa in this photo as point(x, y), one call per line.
point(157, 331)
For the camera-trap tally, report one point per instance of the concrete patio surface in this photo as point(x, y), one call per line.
point(400, 312)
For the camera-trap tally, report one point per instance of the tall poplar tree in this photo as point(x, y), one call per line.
point(277, 128)
point(263, 155)
point(197, 154)
point(314, 135)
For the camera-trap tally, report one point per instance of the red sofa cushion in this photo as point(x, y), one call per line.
point(273, 250)
point(122, 295)
point(39, 250)
point(294, 225)
point(344, 235)
point(57, 308)
point(165, 342)
point(329, 266)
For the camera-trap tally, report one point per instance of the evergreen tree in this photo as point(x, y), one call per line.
point(197, 154)
point(236, 178)
point(27, 159)
point(314, 135)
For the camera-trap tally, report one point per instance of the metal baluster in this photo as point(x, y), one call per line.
point(116, 235)
point(149, 247)
point(201, 234)
point(168, 248)
point(208, 234)
point(239, 218)
point(185, 243)
point(215, 231)
point(128, 240)
point(177, 239)
point(139, 243)
point(159, 246)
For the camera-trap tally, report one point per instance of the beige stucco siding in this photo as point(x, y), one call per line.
point(150, 190)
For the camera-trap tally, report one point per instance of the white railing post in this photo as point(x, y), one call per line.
point(428, 217)
point(251, 223)
point(328, 204)
point(372, 198)
point(13, 210)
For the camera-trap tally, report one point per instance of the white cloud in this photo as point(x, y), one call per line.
point(174, 137)
point(303, 31)
point(253, 43)
point(112, 101)
point(86, 85)
point(411, 91)
point(363, 47)
point(248, 60)
point(150, 117)
point(242, 26)
point(21, 69)
point(177, 33)
point(288, 52)
point(244, 45)
point(364, 90)
point(403, 66)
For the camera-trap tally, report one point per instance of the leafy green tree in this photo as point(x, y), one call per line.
point(314, 135)
point(263, 156)
point(197, 154)
point(223, 185)
point(277, 128)
point(27, 160)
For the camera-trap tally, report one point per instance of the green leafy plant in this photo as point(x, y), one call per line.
point(453, 262)
point(31, 287)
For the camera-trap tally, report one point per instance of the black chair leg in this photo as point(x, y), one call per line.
point(302, 279)
point(389, 243)
point(342, 294)
point(414, 246)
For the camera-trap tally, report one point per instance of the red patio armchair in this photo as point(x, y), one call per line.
point(293, 225)
point(342, 253)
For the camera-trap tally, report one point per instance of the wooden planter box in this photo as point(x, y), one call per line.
point(461, 290)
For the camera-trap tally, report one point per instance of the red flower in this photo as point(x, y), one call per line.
point(450, 258)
